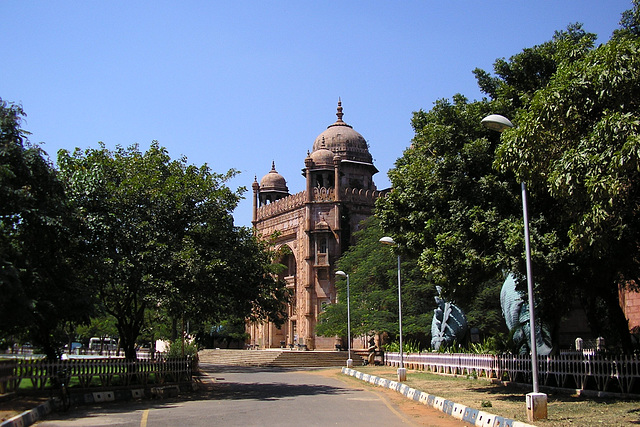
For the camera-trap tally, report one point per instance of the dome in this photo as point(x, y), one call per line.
point(322, 158)
point(273, 181)
point(342, 140)
point(322, 225)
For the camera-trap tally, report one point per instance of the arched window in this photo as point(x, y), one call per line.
point(322, 245)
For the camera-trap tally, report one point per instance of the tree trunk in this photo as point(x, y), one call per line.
point(128, 335)
point(174, 329)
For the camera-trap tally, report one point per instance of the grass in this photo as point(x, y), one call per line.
point(115, 380)
point(563, 409)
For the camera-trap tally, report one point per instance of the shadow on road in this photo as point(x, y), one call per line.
point(224, 389)
point(214, 369)
point(270, 391)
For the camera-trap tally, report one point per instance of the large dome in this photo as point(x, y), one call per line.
point(273, 181)
point(343, 141)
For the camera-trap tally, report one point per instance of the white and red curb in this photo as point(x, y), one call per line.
point(461, 412)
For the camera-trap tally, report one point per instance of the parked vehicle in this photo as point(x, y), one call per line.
point(104, 344)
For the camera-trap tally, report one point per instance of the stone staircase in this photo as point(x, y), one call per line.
point(278, 358)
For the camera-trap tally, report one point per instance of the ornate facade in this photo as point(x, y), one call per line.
point(316, 225)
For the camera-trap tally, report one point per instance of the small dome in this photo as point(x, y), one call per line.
point(273, 181)
point(342, 140)
point(322, 225)
point(322, 158)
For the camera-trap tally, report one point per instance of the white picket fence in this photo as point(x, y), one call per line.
point(581, 371)
point(40, 374)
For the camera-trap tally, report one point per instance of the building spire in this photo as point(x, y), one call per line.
point(339, 113)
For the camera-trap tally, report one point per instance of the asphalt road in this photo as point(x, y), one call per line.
point(251, 397)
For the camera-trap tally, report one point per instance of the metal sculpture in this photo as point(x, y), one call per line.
point(449, 323)
point(516, 315)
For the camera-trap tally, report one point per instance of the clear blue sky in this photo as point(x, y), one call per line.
point(237, 84)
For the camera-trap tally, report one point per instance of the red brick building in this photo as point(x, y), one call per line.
point(316, 225)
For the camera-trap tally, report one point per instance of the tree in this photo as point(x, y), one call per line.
point(101, 326)
point(161, 236)
point(578, 142)
point(373, 274)
point(518, 79)
point(450, 208)
point(460, 215)
point(630, 22)
point(40, 255)
point(228, 331)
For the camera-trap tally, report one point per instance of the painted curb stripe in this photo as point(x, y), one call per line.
point(447, 407)
point(470, 415)
point(29, 417)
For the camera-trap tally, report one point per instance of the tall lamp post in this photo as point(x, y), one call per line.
point(402, 372)
point(536, 401)
point(349, 360)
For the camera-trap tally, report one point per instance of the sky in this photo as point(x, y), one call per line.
point(239, 84)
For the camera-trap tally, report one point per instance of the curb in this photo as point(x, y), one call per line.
point(461, 412)
point(28, 418)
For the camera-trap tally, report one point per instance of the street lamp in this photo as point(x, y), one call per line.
point(402, 372)
point(349, 360)
point(536, 399)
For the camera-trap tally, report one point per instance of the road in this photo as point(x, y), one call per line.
point(258, 397)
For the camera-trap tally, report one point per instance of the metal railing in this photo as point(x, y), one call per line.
point(24, 375)
point(581, 371)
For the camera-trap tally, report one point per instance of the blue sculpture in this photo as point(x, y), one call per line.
point(516, 315)
point(449, 323)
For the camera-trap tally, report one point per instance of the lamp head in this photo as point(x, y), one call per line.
point(341, 273)
point(496, 122)
point(387, 241)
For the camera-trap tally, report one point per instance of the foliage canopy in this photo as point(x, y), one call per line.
point(161, 236)
point(40, 253)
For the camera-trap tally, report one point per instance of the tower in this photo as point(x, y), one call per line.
point(317, 226)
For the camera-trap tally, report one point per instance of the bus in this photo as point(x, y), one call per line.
point(105, 344)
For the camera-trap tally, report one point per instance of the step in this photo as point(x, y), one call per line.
point(278, 358)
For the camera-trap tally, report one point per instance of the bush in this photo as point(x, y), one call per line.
point(190, 350)
point(407, 346)
point(175, 349)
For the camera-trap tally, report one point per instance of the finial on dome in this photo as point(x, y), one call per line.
point(339, 113)
point(273, 165)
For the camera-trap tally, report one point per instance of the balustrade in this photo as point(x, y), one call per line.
point(38, 374)
point(588, 371)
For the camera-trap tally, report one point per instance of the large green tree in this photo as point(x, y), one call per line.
point(458, 213)
point(372, 269)
point(578, 142)
point(40, 254)
point(451, 210)
point(161, 235)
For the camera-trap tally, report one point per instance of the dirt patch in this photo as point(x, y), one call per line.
point(10, 406)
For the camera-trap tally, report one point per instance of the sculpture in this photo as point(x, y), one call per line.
point(516, 315)
point(449, 323)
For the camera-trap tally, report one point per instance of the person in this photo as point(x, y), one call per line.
point(372, 352)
